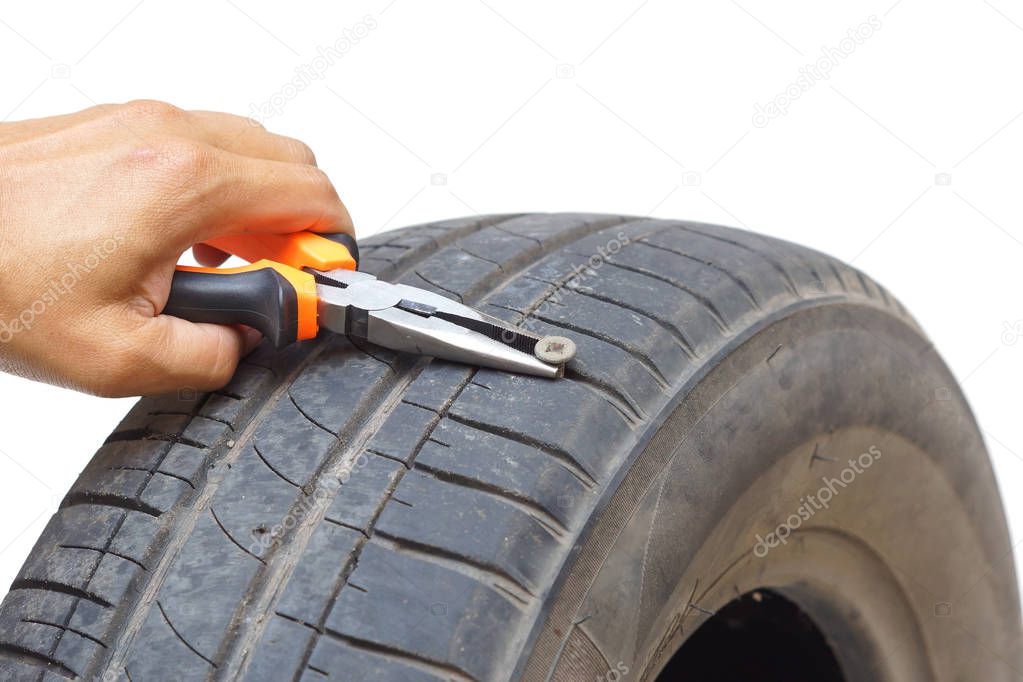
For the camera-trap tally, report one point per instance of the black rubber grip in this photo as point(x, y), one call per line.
point(345, 240)
point(263, 299)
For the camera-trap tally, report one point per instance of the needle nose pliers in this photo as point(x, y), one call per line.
point(299, 282)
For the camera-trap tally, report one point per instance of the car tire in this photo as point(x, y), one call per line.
point(750, 429)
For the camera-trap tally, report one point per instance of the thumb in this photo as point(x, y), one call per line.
point(181, 354)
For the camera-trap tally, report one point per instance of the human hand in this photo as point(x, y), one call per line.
point(96, 208)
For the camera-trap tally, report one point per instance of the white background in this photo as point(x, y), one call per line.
point(904, 162)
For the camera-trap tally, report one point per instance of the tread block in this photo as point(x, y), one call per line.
point(154, 418)
point(747, 266)
point(402, 432)
point(136, 538)
point(311, 585)
point(417, 608)
point(782, 254)
point(184, 461)
point(609, 366)
point(249, 380)
point(389, 253)
point(113, 578)
point(61, 566)
point(94, 620)
point(697, 319)
point(506, 465)
point(39, 639)
point(612, 239)
point(36, 604)
point(361, 496)
point(337, 382)
point(437, 384)
point(498, 245)
point(223, 408)
point(30, 610)
point(519, 407)
point(515, 544)
point(76, 652)
point(455, 273)
point(120, 483)
point(202, 588)
point(162, 645)
point(631, 331)
point(253, 501)
point(163, 492)
point(522, 295)
point(344, 662)
point(731, 296)
point(85, 525)
point(279, 651)
point(205, 432)
point(290, 443)
point(144, 454)
point(548, 230)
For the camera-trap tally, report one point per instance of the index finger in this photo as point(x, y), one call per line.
point(258, 195)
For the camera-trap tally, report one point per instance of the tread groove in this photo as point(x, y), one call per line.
point(708, 305)
point(435, 667)
point(230, 537)
point(178, 635)
point(563, 457)
point(53, 586)
point(26, 656)
point(612, 394)
point(272, 468)
point(147, 434)
point(642, 358)
point(457, 295)
point(307, 417)
point(517, 500)
point(481, 572)
point(838, 276)
point(178, 413)
point(81, 634)
point(75, 499)
point(786, 277)
point(153, 473)
point(104, 551)
point(676, 333)
point(745, 288)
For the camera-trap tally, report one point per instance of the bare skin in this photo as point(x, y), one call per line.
point(95, 210)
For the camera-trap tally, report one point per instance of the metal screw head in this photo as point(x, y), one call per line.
point(555, 350)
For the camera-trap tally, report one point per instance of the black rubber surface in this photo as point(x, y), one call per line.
point(349, 513)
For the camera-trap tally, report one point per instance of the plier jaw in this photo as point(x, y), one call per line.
point(307, 281)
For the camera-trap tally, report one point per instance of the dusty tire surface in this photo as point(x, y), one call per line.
point(355, 514)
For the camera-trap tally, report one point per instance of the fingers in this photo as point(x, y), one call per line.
point(246, 137)
point(256, 195)
point(209, 256)
point(234, 175)
point(171, 354)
